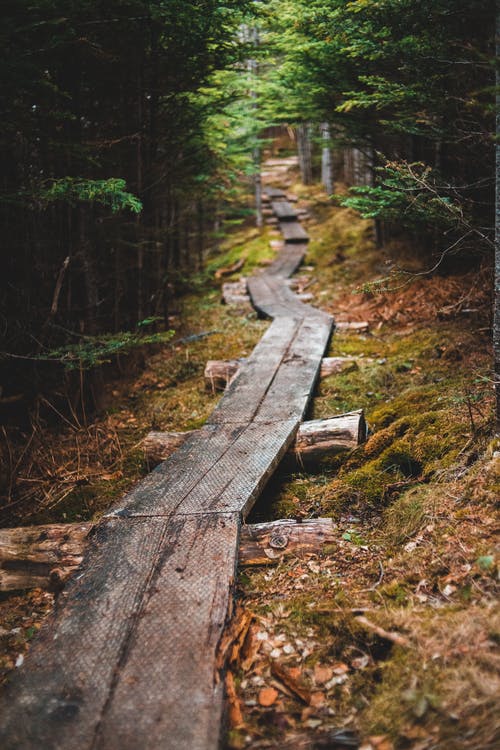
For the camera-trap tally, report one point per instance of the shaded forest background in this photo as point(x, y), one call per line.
point(131, 129)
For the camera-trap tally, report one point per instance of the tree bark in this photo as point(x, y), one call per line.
point(253, 70)
point(326, 159)
point(41, 556)
point(267, 543)
point(305, 152)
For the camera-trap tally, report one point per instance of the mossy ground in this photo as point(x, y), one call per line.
point(413, 507)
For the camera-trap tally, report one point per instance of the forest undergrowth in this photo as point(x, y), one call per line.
point(386, 639)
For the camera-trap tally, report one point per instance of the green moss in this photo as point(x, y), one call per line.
point(251, 245)
point(405, 516)
point(395, 592)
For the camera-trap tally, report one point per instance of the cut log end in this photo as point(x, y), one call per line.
point(41, 556)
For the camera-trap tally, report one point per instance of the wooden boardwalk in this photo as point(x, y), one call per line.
point(129, 658)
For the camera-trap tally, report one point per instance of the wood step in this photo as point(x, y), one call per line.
point(293, 231)
point(284, 211)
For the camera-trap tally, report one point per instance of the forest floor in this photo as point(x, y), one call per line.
point(387, 638)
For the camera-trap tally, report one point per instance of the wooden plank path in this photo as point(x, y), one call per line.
point(293, 231)
point(283, 210)
point(129, 658)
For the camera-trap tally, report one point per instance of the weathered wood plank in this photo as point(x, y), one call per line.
point(240, 476)
point(242, 398)
point(293, 231)
point(319, 437)
point(272, 192)
point(57, 698)
point(284, 211)
point(218, 372)
point(229, 483)
point(273, 299)
point(167, 692)
point(288, 260)
point(162, 491)
point(298, 374)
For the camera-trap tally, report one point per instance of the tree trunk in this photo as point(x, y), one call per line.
point(305, 152)
point(496, 311)
point(326, 159)
point(253, 70)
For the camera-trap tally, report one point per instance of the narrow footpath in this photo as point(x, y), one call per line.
point(129, 658)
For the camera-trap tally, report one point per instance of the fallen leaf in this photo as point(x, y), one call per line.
point(291, 677)
point(317, 699)
point(250, 648)
point(322, 674)
point(267, 696)
point(381, 742)
point(234, 637)
point(234, 713)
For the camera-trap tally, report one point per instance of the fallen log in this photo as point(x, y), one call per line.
point(228, 270)
point(326, 436)
point(235, 293)
point(45, 556)
point(336, 365)
point(40, 556)
point(219, 372)
point(267, 543)
point(356, 326)
point(314, 439)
